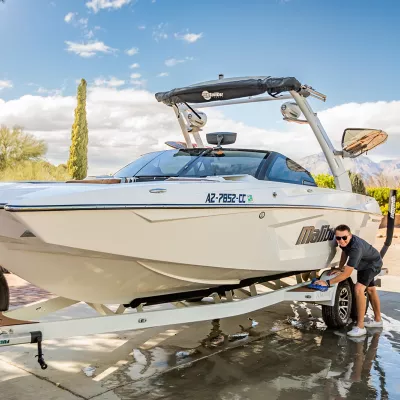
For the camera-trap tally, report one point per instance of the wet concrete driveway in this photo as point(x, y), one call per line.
point(281, 352)
point(302, 361)
point(317, 366)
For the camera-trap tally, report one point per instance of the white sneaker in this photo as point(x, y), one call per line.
point(356, 331)
point(373, 324)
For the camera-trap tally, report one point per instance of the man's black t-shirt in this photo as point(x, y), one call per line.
point(362, 255)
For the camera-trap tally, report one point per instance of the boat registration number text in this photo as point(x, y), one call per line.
point(229, 198)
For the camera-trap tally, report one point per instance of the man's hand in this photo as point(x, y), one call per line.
point(321, 283)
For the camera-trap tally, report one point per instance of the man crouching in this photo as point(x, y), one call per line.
point(361, 256)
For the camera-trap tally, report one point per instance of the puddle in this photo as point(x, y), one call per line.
point(145, 363)
point(335, 368)
point(301, 360)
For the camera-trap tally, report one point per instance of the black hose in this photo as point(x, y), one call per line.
point(390, 221)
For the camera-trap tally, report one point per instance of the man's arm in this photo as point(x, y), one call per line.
point(342, 276)
point(347, 271)
point(340, 267)
point(354, 259)
point(342, 262)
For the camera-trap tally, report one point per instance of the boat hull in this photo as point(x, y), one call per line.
point(115, 256)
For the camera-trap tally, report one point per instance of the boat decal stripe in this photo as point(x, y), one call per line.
point(77, 207)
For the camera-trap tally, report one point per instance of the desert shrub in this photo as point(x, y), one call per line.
point(35, 170)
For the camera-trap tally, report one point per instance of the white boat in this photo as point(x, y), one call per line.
point(175, 223)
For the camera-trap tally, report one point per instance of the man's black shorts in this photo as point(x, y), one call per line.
point(367, 276)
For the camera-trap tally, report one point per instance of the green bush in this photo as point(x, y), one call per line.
point(35, 170)
point(381, 195)
point(325, 181)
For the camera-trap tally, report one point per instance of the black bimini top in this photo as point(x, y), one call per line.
point(229, 88)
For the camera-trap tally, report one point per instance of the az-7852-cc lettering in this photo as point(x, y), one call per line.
point(229, 198)
point(309, 234)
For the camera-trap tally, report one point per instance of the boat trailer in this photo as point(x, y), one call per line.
point(22, 325)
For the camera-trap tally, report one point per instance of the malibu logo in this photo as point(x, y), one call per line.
point(309, 234)
point(208, 96)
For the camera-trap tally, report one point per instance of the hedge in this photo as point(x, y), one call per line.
point(381, 194)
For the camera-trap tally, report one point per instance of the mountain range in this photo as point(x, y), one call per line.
point(384, 173)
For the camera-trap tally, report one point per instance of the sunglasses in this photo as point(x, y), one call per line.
point(341, 237)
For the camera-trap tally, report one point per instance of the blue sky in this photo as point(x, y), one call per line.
point(345, 49)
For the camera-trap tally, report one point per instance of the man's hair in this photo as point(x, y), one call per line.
point(343, 228)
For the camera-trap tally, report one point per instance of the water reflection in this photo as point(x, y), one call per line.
point(317, 365)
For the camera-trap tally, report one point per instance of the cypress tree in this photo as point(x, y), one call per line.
point(357, 183)
point(77, 162)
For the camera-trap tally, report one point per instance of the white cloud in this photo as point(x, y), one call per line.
point(135, 76)
point(124, 123)
point(111, 82)
point(171, 62)
point(159, 35)
point(88, 49)
point(159, 32)
point(380, 115)
point(90, 34)
point(97, 5)
point(142, 27)
point(189, 37)
point(50, 92)
point(83, 22)
point(163, 74)
point(69, 17)
point(138, 83)
point(134, 65)
point(132, 51)
point(5, 84)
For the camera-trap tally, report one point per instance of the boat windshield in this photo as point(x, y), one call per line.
point(203, 162)
point(195, 163)
point(200, 163)
point(169, 163)
point(226, 162)
point(135, 166)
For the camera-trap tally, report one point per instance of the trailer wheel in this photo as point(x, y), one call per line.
point(338, 315)
point(4, 293)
